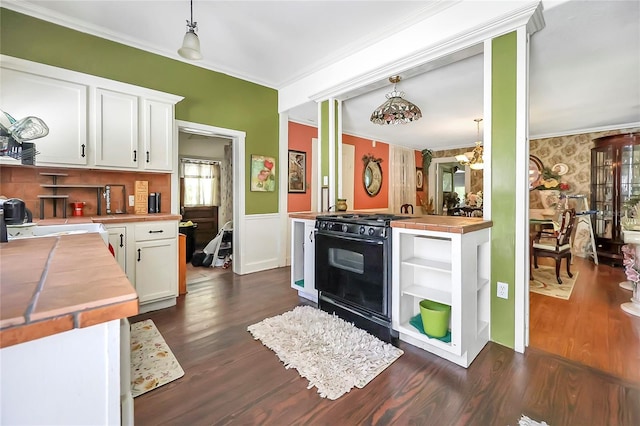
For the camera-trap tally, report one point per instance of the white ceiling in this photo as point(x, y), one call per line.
point(584, 65)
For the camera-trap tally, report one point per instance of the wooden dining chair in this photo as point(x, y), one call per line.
point(405, 208)
point(558, 245)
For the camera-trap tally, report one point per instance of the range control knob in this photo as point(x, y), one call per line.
point(323, 225)
point(345, 228)
point(371, 231)
point(361, 230)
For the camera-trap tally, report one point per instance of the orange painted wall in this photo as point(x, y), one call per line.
point(362, 148)
point(300, 140)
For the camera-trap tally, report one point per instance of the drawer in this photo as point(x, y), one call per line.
point(156, 230)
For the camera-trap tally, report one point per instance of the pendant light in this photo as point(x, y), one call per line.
point(395, 110)
point(473, 159)
point(191, 44)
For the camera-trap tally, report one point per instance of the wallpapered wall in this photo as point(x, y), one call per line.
point(575, 152)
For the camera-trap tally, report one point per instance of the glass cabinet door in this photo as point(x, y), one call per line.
point(629, 175)
point(603, 190)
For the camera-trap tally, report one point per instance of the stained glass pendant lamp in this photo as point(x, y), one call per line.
point(396, 109)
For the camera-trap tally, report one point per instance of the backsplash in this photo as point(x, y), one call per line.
point(25, 182)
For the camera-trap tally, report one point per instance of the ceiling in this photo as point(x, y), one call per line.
point(584, 64)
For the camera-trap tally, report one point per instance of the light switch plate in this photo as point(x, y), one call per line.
point(132, 200)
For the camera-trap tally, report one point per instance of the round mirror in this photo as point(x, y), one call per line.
point(372, 177)
point(535, 171)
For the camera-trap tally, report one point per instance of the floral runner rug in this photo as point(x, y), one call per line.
point(152, 362)
point(544, 282)
point(331, 353)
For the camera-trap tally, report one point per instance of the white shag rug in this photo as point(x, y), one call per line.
point(331, 353)
point(526, 421)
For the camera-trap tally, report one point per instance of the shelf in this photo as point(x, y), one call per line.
point(428, 264)
point(410, 330)
point(53, 174)
point(72, 186)
point(423, 292)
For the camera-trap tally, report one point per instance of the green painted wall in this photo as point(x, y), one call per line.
point(324, 140)
point(210, 98)
point(503, 192)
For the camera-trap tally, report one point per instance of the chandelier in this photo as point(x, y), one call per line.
point(191, 44)
point(473, 159)
point(395, 110)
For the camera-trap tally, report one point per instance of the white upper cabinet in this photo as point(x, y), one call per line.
point(61, 104)
point(157, 135)
point(93, 122)
point(116, 129)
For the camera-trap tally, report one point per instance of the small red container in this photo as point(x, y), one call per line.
point(78, 208)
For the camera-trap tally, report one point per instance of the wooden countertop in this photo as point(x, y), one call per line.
point(50, 285)
point(452, 224)
point(110, 219)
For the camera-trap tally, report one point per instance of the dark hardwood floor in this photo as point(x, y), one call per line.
point(232, 379)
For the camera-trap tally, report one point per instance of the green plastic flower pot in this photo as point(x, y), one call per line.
point(435, 317)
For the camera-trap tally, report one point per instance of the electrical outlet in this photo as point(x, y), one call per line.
point(503, 290)
point(132, 200)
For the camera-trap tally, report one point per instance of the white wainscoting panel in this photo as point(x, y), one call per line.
point(262, 242)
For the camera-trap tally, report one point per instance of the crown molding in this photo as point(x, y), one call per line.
point(586, 130)
point(35, 11)
point(529, 15)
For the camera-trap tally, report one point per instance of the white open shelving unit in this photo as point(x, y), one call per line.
point(446, 267)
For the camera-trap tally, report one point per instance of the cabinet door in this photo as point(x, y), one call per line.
point(309, 257)
point(62, 105)
point(116, 129)
point(118, 240)
point(156, 269)
point(157, 135)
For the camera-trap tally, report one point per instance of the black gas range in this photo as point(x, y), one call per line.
point(375, 225)
point(353, 269)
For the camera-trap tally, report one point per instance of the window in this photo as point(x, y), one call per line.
point(201, 182)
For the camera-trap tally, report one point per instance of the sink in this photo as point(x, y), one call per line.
point(33, 230)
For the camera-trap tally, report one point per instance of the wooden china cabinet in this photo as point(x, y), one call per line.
point(615, 178)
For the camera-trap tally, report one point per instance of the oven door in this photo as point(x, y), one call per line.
point(354, 270)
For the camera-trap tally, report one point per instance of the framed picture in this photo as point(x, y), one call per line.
point(263, 173)
point(419, 179)
point(297, 171)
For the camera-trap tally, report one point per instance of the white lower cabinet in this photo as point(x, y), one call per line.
point(150, 250)
point(303, 258)
point(118, 241)
point(450, 268)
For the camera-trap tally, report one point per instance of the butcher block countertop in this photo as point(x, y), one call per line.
point(109, 219)
point(50, 285)
point(452, 224)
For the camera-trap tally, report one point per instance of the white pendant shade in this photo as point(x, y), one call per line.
point(190, 46)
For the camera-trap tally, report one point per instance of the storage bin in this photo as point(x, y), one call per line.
point(435, 317)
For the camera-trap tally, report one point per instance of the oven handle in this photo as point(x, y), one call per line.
point(344, 237)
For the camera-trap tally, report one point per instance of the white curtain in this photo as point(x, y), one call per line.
point(201, 182)
point(402, 179)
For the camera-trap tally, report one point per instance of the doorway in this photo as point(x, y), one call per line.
point(448, 181)
point(236, 178)
point(206, 184)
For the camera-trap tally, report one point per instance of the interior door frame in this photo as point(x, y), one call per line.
point(435, 186)
point(238, 147)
